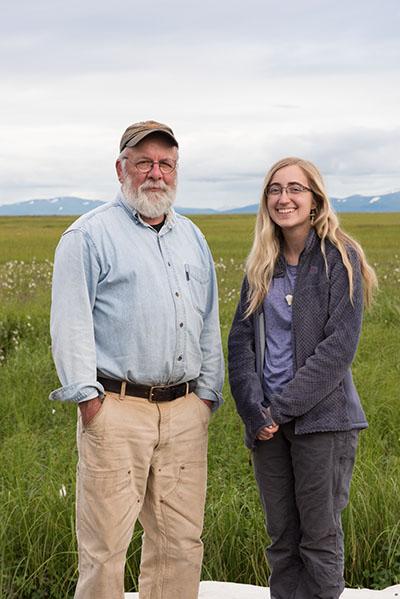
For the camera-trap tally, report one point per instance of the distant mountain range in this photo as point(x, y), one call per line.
point(63, 205)
point(389, 202)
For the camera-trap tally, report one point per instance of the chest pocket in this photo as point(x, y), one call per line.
point(197, 279)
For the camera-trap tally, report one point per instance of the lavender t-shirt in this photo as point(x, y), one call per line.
point(278, 361)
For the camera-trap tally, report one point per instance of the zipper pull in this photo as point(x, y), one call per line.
point(187, 272)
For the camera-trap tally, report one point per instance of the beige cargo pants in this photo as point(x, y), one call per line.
point(149, 461)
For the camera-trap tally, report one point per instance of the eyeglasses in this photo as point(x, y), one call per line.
point(292, 189)
point(165, 166)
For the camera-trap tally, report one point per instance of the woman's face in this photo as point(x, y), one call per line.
point(291, 208)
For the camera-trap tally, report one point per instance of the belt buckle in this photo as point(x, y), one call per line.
point(153, 387)
point(150, 398)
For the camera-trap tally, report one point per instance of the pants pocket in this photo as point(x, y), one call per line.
point(92, 424)
point(346, 446)
point(102, 484)
point(203, 409)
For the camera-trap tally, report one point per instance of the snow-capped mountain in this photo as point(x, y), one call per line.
point(389, 202)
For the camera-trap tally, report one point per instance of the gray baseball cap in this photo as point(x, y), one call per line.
point(138, 131)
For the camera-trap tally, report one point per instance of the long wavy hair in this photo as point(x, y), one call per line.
point(268, 237)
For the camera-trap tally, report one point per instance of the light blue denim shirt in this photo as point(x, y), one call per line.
point(134, 305)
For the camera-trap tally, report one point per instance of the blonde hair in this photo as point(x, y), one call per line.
point(267, 239)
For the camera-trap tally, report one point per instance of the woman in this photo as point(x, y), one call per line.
point(291, 345)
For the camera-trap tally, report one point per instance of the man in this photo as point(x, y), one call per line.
point(136, 343)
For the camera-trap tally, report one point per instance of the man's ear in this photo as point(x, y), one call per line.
point(120, 174)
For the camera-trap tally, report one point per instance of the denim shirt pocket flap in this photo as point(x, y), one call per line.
point(198, 279)
point(201, 275)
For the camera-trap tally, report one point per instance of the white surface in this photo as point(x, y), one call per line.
point(231, 590)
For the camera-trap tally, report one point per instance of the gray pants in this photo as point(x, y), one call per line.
point(304, 483)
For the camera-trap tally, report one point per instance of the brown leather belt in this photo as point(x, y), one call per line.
point(154, 393)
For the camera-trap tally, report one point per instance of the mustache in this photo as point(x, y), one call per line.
point(161, 185)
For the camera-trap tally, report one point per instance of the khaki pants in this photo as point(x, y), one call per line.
point(149, 461)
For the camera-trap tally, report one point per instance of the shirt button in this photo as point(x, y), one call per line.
point(177, 294)
point(179, 358)
point(181, 324)
point(169, 263)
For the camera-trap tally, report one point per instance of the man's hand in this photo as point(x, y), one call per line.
point(208, 403)
point(267, 432)
point(89, 409)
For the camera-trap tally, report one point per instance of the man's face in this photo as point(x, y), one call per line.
point(150, 193)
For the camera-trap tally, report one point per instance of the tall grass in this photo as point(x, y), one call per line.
point(38, 557)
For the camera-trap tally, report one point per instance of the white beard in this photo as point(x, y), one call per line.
point(150, 204)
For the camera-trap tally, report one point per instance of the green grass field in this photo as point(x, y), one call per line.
point(37, 437)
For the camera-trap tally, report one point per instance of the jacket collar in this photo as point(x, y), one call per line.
point(311, 242)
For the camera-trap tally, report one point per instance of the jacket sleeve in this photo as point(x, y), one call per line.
point(324, 370)
point(245, 383)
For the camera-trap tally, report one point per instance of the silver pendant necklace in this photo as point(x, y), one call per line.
point(289, 284)
point(289, 299)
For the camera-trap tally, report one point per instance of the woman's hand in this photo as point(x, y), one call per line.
point(267, 432)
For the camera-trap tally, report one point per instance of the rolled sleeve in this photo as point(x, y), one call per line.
point(77, 392)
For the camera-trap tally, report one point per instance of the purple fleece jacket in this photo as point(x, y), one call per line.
point(326, 328)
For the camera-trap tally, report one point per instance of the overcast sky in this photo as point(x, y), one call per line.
point(242, 84)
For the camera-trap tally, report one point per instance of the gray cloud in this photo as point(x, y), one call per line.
point(241, 85)
point(262, 19)
point(53, 36)
point(357, 160)
point(365, 161)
